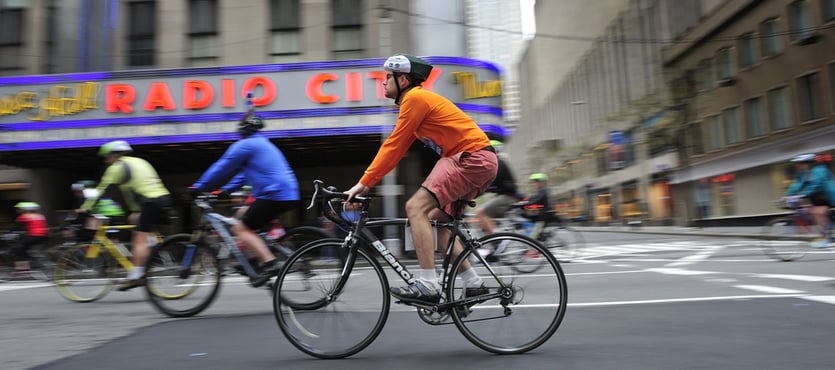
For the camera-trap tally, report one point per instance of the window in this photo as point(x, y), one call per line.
point(772, 43)
point(285, 26)
point(779, 108)
point(828, 10)
point(733, 126)
point(747, 50)
point(801, 20)
point(706, 74)
point(808, 95)
point(697, 145)
point(347, 32)
point(141, 33)
point(755, 117)
point(203, 29)
point(11, 26)
point(724, 61)
point(715, 138)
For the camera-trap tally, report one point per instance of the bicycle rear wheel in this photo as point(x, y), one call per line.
point(564, 242)
point(182, 278)
point(323, 314)
point(519, 312)
point(86, 272)
point(781, 240)
point(296, 237)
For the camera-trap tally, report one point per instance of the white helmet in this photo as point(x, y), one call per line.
point(118, 146)
point(410, 65)
point(806, 157)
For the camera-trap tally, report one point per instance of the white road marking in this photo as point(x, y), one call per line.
point(674, 300)
point(675, 271)
point(769, 289)
point(22, 286)
point(830, 299)
point(808, 278)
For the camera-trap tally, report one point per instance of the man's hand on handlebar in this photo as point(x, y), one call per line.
point(358, 190)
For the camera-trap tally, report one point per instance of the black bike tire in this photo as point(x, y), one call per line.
point(159, 302)
point(60, 273)
point(772, 243)
point(311, 233)
point(549, 329)
point(364, 258)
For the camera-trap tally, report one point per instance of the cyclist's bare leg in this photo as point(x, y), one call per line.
point(140, 250)
point(253, 241)
point(821, 216)
point(418, 208)
point(443, 237)
point(485, 221)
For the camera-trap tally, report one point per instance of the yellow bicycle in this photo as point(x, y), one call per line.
point(87, 271)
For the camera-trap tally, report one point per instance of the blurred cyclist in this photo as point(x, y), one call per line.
point(35, 233)
point(814, 182)
point(256, 161)
point(145, 196)
point(504, 186)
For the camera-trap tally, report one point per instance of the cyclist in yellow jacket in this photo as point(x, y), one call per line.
point(146, 198)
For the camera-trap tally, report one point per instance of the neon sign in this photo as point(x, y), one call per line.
point(60, 101)
point(472, 88)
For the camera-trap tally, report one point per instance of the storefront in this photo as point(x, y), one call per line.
point(328, 117)
point(745, 188)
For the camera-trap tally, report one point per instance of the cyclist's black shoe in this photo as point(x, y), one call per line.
point(419, 292)
point(130, 284)
point(268, 270)
point(479, 290)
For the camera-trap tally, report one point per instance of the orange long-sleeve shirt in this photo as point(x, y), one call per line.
point(432, 119)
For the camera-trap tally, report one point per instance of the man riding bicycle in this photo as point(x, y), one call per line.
point(814, 183)
point(260, 164)
point(145, 196)
point(466, 168)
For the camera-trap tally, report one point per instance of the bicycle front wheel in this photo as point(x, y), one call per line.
point(518, 312)
point(781, 240)
point(327, 314)
point(182, 278)
point(86, 272)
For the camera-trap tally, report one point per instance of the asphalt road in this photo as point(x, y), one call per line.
point(635, 302)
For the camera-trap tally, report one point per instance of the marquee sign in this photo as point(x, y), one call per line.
point(288, 87)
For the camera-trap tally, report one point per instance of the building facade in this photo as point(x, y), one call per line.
point(601, 132)
point(756, 81)
point(684, 111)
point(170, 77)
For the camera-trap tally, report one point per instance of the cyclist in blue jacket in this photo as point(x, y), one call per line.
point(257, 162)
point(815, 183)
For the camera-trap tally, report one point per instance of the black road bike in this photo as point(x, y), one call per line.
point(343, 308)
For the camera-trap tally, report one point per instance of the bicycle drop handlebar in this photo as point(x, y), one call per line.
point(330, 195)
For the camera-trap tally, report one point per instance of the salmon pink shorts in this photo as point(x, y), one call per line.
point(463, 175)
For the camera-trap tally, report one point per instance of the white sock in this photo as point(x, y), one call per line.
point(136, 272)
point(471, 278)
point(430, 277)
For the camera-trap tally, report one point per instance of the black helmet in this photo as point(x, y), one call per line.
point(250, 125)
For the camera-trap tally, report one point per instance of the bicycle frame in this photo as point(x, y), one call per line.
point(362, 230)
point(220, 224)
point(116, 250)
